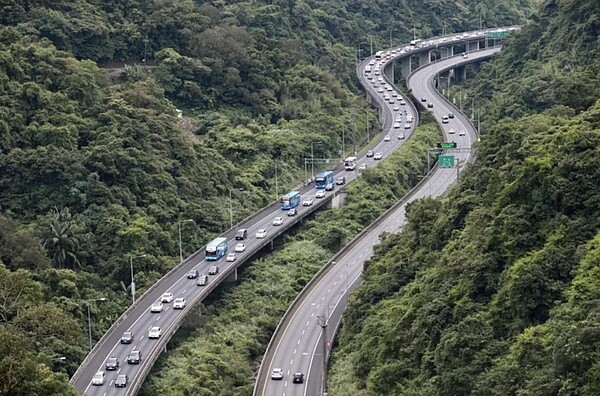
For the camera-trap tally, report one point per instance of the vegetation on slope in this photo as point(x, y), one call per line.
point(493, 290)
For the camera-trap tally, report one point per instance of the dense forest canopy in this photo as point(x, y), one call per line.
point(96, 167)
point(494, 289)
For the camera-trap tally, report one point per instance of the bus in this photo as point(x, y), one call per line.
point(350, 163)
point(415, 42)
point(323, 179)
point(216, 249)
point(290, 200)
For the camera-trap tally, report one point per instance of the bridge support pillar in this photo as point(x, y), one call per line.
point(473, 46)
point(406, 66)
point(339, 200)
point(389, 72)
point(424, 58)
point(460, 73)
point(232, 277)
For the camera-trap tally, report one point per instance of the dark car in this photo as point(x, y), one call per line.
point(340, 180)
point(121, 381)
point(450, 115)
point(135, 357)
point(214, 270)
point(193, 274)
point(423, 99)
point(370, 153)
point(127, 337)
point(202, 280)
point(241, 234)
point(430, 105)
point(292, 212)
point(112, 364)
point(298, 378)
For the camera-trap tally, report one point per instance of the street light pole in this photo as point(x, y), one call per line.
point(132, 279)
point(312, 159)
point(180, 244)
point(230, 210)
point(89, 315)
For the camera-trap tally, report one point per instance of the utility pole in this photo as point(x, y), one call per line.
point(371, 42)
point(367, 127)
point(276, 186)
point(472, 108)
point(323, 323)
point(312, 159)
point(353, 130)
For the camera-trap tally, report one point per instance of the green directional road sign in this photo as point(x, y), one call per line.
point(498, 35)
point(447, 145)
point(446, 161)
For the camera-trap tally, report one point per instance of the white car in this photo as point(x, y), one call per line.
point(387, 138)
point(99, 378)
point(277, 374)
point(377, 156)
point(461, 133)
point(451, 131)
point(157, 307)
point(277, 221)
point(396, 107)
point(362, 167)
point(401, 136)
point(240, 247)
point(320, 194)
point(262, 233)
point(154, 332)
point(307, 202)
point(402, 102)
point(179, 303)
point(396, 125)
point(407, 126)
point(380, 90)
point(167, 297)
point(389, 88)
point(444, 119)
point(231, 257)
point(395, 94)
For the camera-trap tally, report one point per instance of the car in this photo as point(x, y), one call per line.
point(262, 233)
point(292, 212)
point(451, 131)
point(380, 90)
point(298, 378)
point(465, 56)
point(231, 257)
point(277, 221)
point(214, 270)
point(241, 234)
point(423, 99)
point(398, 118)
point(127, 337)
point(407, 126)
point(112, 364)
point(179, 303)
point(99, 378)
point(320, 194)
point(395, 94)
point(193, 274)
point(391, 101)
point(167, 297)
point(370, 153)
point(402, 102)
point(387, 138)
point(134, 357)
point(202, 280)
point(444, 119)
point(362, 167)
point(396, 107)
point(240, 247)
point(389, 88)
point(329, 187)
point(340, 180)
point(121, 381)
point(401, 136)
point(450, 115)
point(396, 125)
point(154, 332)
point(377, 156)
point(369, 77)
point(277, 374)
point(430, 105)
point(157, 307)
point(461, 133)
point(307, 202)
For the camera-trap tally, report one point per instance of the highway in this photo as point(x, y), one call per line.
point(138, 318)
point(297, 345)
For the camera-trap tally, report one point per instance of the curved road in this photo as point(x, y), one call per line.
point(139, 319)
point(300, 346)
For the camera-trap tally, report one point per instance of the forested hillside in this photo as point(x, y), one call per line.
point(494, 290)
point(95, 170)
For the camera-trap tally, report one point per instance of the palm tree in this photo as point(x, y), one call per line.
point(62, 242)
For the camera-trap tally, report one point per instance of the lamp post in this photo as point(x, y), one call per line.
point(89, 315)
point(132, 278)
point(180, 245)
point(391, 31)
